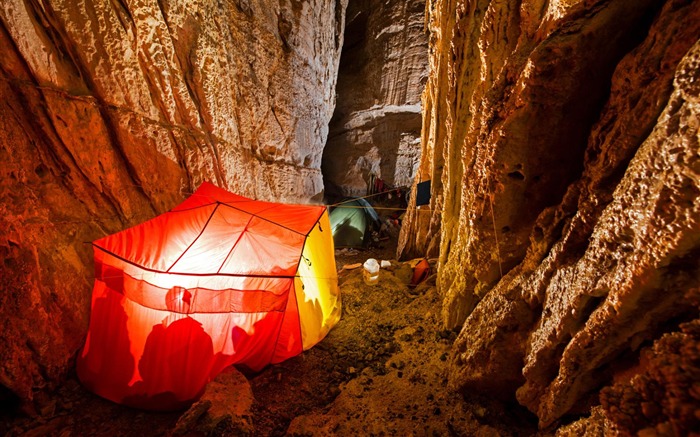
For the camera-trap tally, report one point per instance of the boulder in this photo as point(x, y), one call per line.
point(562, 143)
point(225, 408)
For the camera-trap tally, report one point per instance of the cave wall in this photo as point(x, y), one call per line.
point(561, 139)
point(376, 125)
point(112, 112)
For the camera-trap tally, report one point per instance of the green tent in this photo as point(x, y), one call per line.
point(352, 222)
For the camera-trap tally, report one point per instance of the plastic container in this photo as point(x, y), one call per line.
point(370, 272)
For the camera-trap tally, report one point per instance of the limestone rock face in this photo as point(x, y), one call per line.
point(113, 111)
point(562, 143)
point(376, 125)
point(662, 398)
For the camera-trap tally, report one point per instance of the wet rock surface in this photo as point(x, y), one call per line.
point(662, 396)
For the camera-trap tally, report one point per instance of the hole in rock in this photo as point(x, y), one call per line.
point(9, 401)
point(373, 142)
point(516, 175)
point(40, 170)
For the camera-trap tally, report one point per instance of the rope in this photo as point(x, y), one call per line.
point(140, 276)
point(388, 208)
point(366, 197)
point(335, 205)
point(99, 219)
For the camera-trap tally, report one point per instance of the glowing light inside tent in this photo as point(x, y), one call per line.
point(214, 282)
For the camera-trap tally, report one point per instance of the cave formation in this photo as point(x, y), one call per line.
point(560, 139)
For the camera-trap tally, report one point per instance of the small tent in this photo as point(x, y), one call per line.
point(218, 280)
point(352, 222)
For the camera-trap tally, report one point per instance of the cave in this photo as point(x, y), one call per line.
point(548, 282)
point(374, 132)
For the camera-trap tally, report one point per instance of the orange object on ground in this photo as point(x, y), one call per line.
point(421, 271)
point(218, 280)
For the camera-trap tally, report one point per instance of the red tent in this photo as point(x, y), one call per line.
point(218, 280)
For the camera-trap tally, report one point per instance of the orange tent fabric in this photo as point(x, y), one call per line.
point(218, 280)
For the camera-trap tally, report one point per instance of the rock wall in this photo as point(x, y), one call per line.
point(111, 112)
point(562, 143)
point(376, 125)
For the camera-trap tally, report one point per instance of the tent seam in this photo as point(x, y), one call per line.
point(301, 335)
point(235, 275)
point(197, 238)
point(188, 313)
point(306, 239)
point(275, 223)
point(234, 245)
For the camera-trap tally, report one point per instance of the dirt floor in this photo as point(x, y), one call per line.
point(380, 371)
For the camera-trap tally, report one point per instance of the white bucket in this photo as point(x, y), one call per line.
point(370, 272)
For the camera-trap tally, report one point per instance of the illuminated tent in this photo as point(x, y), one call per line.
point(352, 222)
point(218, 280)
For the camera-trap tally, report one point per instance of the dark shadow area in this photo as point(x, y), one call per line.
point(348, 235)
point(178, 356)
point(500, 414)
point(349, 67)
point(9, 408)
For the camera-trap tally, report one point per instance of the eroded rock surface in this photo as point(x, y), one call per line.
point(376, 126)
point(113, 111)
point(662, 398)
point(562, 143)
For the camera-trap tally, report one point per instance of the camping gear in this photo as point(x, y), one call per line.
point(352, 223)
point(423, 193)
point(218, 280)
point(370, 272)
point(421, 271)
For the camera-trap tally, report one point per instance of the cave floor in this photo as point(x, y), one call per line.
point(381, 371)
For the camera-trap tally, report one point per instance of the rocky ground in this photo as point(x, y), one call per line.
point(380, 371)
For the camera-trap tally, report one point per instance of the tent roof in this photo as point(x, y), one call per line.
point(349, 221)
point(218, 232)
point(358, 204)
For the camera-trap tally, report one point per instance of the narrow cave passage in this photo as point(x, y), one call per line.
point(374, 133)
